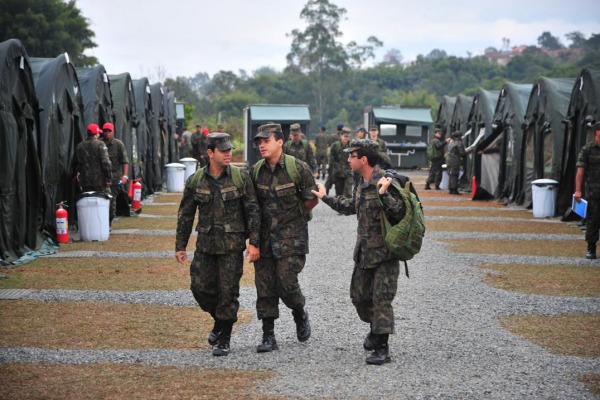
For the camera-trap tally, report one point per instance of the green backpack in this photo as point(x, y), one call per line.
point(404, 239)
point(236, 177)
point(292, 172)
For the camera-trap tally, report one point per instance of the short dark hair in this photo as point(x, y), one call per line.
point(372, 156)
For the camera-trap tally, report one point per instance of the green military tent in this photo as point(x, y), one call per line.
point(22, 200)
point(97, 98)
point(584, 109)
point(143, 134)
point(124, 116)
point(459, 122)
point(171, 127)
point(158, 135)
point(61, 130)
point(444, 117)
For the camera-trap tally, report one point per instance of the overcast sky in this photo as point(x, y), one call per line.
point(184, 37)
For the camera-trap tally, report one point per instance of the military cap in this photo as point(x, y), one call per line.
point(437, 129)
point(366, 144)
point(339, 127)
point(295, 127)
point(220, 140)
point(457, 133)
point(361, 129)
point(374, 128)
point(323, 128)
point(266, 130)
point(596, 126)
point(346, 131)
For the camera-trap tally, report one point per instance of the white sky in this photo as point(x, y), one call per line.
point(184, 37)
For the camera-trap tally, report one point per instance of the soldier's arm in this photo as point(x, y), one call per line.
point(393, 205)
point(251, 210)
point(311, 159)
point(106, 164)
point(185, 219)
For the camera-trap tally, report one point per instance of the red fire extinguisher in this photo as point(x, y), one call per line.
point(62, 223)
point(137, 196)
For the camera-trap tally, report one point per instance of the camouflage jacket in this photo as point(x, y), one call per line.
point(456, 151)
point(118, 157)
point(284, 228)
point(93, 164)
point(370, 249)
point(199, 146)
point(301, 150)
point(226, 214)
point(589, 158)
point(339, 160)
point(322, 141)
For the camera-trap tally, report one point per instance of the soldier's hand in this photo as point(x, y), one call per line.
point(316, 175)
point(577, 196)
point(252, 253)
point(384, 184)
point(181, 256)
point(321, 192)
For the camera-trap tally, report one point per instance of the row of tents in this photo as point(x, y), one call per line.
point(522, 133)
point(45, 105)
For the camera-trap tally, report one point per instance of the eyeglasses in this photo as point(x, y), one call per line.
point(352, 156)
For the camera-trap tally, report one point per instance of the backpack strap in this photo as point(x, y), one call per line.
point(236, 177)
point(291, 169)
point(196, 178)
point(257, 168)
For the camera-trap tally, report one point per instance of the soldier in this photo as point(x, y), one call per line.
point(340, 170)
point(322, 145)
point(360, 133)
point(285, 200)
point(588, 169)
point(384, 159)
point(226, 202)
point(456, 151)
point(435, 153)
point(120, 165)
point(198, 142)
point(375, 276)
point(301, 149)
point(186, 144)
point(333, 139)
point(94, 170)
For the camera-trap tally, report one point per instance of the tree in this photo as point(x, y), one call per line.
point(48, 28)
point(436, 54)
point(392, 57)
point(549, 42)
point(577, 39)
point(317, 53)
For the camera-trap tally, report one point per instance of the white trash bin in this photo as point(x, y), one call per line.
point(175, 177)
point(190, 167)
point(445, 178)
point(93, 217)
point(543, 197)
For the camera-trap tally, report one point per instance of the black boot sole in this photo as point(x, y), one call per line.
point(378, 360)
point(260, 349)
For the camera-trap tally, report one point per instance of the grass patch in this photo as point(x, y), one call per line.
point(572, 335)
point(130, 243)
point(85, 273)
point(168, 198)
point(592, 382)
point(550, 280)
point(480, 213)
point(461, 203)
point(159, 209)
point(146, 223)
point(549, 248)
point(82, 325)
point(501, 227)
point(116, 381)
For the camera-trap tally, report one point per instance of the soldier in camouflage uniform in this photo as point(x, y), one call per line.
point(333, 138)
point(284, 204)
point(384, 159)
point(199, 146)
point(322, 141)
point(454, 155)
point(227, 213)
point(94, 169)
point(588, 170)
point(120, 166)
point(375, 277)
point(300, 148)
point(341, 173)
point(436, 159)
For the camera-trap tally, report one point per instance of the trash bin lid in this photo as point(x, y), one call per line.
point(174, 165)
point(188, 159)
point(544, 182)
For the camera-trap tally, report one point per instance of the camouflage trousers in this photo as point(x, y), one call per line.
point(435, 172)
point(453, 174)
point(216, 283)
point(372, 292)
point(343, 186)
point(115, 189)
point(592, 221)
point(322, 164)
point(277, 278)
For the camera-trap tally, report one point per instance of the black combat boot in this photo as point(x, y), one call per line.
point(591, 253)
point(213, 337)
point(224, 338)
point(381, 354)
point(302, 324)
point(437, 187)
point(427, 187)
point(268, 341)
point(370, 342)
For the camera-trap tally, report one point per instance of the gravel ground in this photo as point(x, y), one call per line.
point(448, 343)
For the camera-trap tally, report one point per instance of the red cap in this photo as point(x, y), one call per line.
point(205, 131)
point(93, 129)
point(108, 125)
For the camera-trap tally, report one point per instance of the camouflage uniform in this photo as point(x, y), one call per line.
point(226, 215)
point(284, 236)
point(93, 165)
point(118, 157)
point(199, 147)
point(301, 150)
point(375, 277)
point(456, 151)
point(322, 144)
point(384, 158)
point(340, 171)
point(435, 171)
point(589, 158)
point(187, 149)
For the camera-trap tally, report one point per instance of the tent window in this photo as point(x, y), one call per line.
point(388, 130)
point(413, 130)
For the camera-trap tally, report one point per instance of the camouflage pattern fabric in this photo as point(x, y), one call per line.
point(456, 151)
point(93, 165)
point(199, 148)
point(384, 158)
point(341, 173)
point(277, 278)
point(118, 157)
point(435, 172)
point(322, 141)
point(301, 150)
point(589, 158)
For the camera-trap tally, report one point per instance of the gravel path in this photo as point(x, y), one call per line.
point(448, 343)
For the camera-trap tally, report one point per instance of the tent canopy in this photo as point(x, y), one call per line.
point(445, 111)
point(143, 132)
point(97, 98)
point(124, 116)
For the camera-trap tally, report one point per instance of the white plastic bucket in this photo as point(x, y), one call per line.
point(92, 214)
point(445, 178)
point(190, 167)
point(543, 196)
point(175, 177)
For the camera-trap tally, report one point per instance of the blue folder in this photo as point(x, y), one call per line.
point(579, 208)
